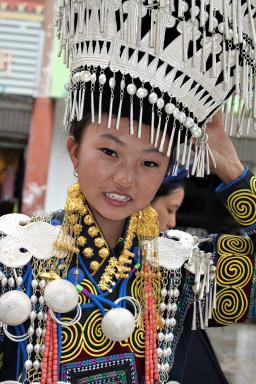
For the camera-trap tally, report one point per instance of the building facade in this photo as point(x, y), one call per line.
point(26, 29)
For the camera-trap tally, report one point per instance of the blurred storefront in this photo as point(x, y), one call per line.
point(60, 167)
point(15, 115)
point(23, 30)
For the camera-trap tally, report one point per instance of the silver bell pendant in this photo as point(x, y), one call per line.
point(119, 323)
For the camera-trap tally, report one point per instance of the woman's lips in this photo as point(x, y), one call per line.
point(117, 199)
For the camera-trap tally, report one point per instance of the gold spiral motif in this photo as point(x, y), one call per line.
point(82, 299)
point(90, 287)
point(87, 284)
point(232, 305)
point(71, 341)
point(234, 270)
point(88, 337)
point(253, 185)
point(229, 244)
point(136, 342)
point(137, 288)
point(94, 341)
point(242, 205)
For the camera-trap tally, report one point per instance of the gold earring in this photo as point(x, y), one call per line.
point(148, 224)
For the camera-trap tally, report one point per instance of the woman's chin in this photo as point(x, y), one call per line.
point(113, 214)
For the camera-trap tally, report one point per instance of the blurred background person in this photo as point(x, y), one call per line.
point(168, 200)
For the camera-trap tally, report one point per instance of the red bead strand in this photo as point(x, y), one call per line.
point(151, 362)
point(50, 357)
point(55, 353)
point(46, 350)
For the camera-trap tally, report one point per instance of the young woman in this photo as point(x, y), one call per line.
point(83, 296)
point(118, 175)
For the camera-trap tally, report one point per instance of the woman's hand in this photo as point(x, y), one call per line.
point(228, 165)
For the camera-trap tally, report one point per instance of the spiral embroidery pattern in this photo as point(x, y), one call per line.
point(253, 184)
point(137, 288)
point(94, 341)
point(136, 342)
point(234, 271)
point(228, 245)
point(232, 305)
point(234, 274)
point(242, 204)
point(71, 345)
point(89, 338)
point(90, 287)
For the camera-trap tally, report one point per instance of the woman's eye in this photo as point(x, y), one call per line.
point(173, 211)
point(150, 164)
point(109, 152)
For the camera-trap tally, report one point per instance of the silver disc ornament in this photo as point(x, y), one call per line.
point(174, 248)
point(119, 323)
point(24, 239)
point(15, 308)
point(13, 254)
point(9, 223)
point(61, 296)
point(10, 382)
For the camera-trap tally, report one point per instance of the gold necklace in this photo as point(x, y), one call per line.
point(143, 224)
point(77, 212)
point(119, 268)
point(71, 239)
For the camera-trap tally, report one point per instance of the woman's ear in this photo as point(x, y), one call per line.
point(73, 150)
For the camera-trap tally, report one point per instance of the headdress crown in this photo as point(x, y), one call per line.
point(186, 57)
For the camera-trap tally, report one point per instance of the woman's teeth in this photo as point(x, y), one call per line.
point(115, 196)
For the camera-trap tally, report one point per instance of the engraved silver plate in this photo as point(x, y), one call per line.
point(174, 248)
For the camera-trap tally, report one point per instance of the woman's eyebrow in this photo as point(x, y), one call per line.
point(154, 150)
point(113, 138)
point(174, 206)
point(120, 142)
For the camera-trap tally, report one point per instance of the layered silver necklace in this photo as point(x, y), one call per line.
point(179, 250)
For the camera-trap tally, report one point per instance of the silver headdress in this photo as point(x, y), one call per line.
point(178, 60)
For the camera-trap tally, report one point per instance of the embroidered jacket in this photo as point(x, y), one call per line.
point(87, 356)
point(236, 254)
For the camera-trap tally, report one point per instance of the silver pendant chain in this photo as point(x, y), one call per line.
point(169, 305)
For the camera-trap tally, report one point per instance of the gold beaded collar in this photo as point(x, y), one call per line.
point(80, 225)
point(88, 240)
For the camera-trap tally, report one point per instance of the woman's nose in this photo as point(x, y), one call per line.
point(172, 221)
point(123, 178)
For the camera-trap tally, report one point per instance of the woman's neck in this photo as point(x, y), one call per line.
point(111, 229)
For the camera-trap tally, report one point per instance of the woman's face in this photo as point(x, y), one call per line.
point(167, 207)
point(118, 174)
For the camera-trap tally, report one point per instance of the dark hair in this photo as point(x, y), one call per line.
point(76, 128)
point(167, 188)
